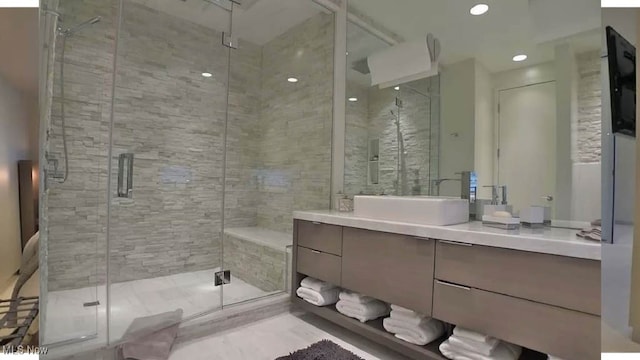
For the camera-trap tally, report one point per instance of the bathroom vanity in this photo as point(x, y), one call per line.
point(536, 288)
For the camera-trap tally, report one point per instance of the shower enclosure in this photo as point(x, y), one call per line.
point(174, 153)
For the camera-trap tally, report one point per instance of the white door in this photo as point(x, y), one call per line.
point(527, 144)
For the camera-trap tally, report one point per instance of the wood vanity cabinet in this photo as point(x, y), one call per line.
point(544, 302)
point(550, 279)
point(317, 251)
point(397, 269)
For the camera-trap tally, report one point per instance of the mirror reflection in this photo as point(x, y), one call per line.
point(515, 102)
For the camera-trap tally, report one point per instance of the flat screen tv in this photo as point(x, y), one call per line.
point(622, 83)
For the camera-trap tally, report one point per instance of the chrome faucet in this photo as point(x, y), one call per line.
point(437, 182)
point(464, 184)
point(504, 194)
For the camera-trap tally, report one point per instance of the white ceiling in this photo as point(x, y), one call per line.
point(19, 48)
point(509, 27)
point(256, 21)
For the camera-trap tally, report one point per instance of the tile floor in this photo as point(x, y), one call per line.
point(194, 292)
point(277, 336)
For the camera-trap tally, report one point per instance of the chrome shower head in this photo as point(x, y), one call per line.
point(82, 25)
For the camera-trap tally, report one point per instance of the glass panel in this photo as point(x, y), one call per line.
point(391, 133)
point(169, 118)
point(77, 59)
point(278, 139)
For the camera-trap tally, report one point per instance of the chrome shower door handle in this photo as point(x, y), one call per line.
point(125, 175)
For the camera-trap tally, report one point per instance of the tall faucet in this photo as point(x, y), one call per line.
point(504, 194)
point(437, 183)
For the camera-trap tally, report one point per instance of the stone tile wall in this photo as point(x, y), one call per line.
point(589, 108)
point(261, 266)
point(371, 118)
point(278, 141)
point(295, 123)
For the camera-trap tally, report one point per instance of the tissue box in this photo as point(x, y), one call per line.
point(532, 215)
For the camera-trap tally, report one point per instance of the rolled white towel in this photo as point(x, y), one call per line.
point(503, 351)
point(315, 284)
point(363, 312)
point(425, 332)
point(410, 319)
point(484, 348)
point(323, 298)
point(355, 297)
point(472, 335)
point(400, 309)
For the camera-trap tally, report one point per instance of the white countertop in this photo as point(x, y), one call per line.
point(555, 241)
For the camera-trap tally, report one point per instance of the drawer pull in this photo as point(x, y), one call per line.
point(315, 251)
point(421, 238)
point(316, 223)
point(454, 243)
point(453, 285)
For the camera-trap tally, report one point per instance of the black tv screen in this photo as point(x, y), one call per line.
point(622, 82)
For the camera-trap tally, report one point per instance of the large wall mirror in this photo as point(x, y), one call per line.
point(513, 95)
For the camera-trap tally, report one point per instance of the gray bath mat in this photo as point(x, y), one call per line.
point(322, 350)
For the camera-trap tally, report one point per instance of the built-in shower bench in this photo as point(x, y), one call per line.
point(259, 256)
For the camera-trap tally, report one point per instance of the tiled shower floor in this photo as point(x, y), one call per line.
point(194, 292)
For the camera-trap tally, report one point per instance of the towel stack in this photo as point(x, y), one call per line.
point(318, 292)
point(469, 345)
point(363, 308)
point(592, 232)
point(412, 327)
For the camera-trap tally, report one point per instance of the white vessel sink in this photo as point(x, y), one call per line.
point(424, 210)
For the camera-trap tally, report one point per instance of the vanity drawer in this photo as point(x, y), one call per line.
point(324, 237)
point(564, 333)
point(397, 269)
point(319, 265)
point(556, 280)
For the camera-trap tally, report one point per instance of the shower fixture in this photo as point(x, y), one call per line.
point(65, 33)
point(75, 29)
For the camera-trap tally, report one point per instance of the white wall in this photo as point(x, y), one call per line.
point(484, 131)
point(14, 145)
point(457, 134)
point(566, 118)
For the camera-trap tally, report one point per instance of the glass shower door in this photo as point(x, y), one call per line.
point(278, 144)
point(78, 41)
point(167, 155)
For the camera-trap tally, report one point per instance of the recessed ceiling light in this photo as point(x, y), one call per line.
point(396, 88)
point(479, 9)
point(292, 80)
point(353, 99)
point(207, 74)
point(521, 57)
